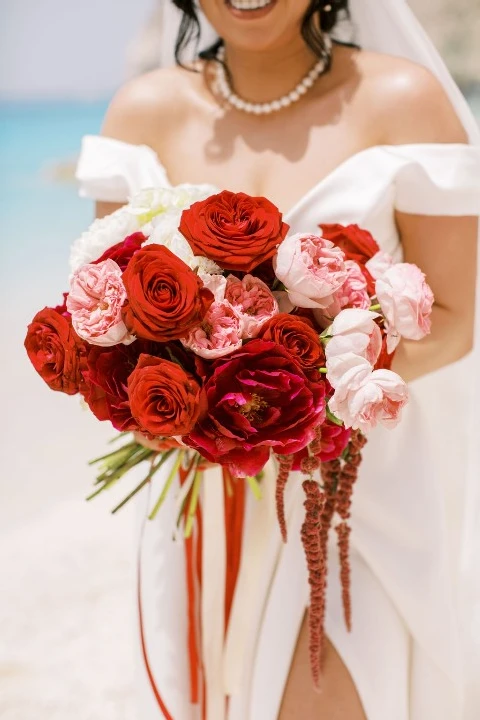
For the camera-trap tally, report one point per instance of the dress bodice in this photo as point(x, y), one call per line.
point(366, 189)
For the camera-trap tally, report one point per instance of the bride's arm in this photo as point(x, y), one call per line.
point(445, 248)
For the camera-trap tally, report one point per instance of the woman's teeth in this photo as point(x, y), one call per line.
point(249, 4)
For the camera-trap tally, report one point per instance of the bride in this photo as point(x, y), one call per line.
point(375, 134)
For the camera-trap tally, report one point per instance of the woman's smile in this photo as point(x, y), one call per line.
point(250, 9)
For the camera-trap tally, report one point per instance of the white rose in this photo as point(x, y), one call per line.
point(163, 230)
point(101, 235)
point(152, 202)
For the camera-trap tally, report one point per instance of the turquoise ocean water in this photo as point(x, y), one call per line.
point(40, 213)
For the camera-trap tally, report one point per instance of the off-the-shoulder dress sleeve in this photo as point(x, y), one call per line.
point(111, 171)
point(436, 179)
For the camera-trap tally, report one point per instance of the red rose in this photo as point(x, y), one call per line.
point(165, 299)
point(258, 398)
point(235, 230)
point(123, 251)
point(164, 399)
point(298, 336)
point(334, 440)
point(357, 244)
point(55, 350)
point(106, 381)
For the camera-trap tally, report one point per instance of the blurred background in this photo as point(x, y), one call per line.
point(66, 616)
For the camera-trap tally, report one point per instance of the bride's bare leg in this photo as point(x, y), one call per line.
point(338, 699)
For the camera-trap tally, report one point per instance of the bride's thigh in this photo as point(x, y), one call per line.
point(338, 699)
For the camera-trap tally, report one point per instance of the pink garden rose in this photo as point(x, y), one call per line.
point(219, 334)
point(311, 268)
point(354, 334)
point(406, 301)
point(253, 301)
point(379, 264)
point(353, 292)
point(364, 398)
point(95, 301)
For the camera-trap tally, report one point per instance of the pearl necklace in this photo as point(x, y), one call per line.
point(224, 89)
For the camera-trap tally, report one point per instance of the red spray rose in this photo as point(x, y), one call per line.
point(165, 299)
point(123, 251)
point(258, 398)
point(385, 359)
point(106, 381)
point(62, 309)
point(235, 230)
point(55, 350)
point(333, 441)
point(298, 336)
point(356, 243)
point(164, 399)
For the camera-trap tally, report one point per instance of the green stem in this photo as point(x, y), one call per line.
point(255, 487)
point(374, 308)
point(168, 483)
point(118, 437)
point(192, 508)
point(144, 482)
point(124, 450)
point(118, 507)
point(115, 473)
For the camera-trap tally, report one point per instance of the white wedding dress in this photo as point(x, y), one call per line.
point(404, 652)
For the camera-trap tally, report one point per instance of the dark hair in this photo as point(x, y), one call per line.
point(321, 17)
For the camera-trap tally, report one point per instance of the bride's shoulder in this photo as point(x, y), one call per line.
point(408, 102)
point(148, 106)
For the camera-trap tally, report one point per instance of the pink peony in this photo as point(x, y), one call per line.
point(406, 301)
point(353, 292)
point(355, 334)
point(219, 334)
point(379, 264)
point(311, 268)
point(364, 398)
point(253, 300)
point(95, 301)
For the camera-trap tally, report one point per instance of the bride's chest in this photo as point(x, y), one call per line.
point(323, 176)
point(276, 159)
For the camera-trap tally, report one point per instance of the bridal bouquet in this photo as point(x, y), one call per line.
point(197, 321)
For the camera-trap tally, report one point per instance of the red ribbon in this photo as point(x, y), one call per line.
point(234, 520)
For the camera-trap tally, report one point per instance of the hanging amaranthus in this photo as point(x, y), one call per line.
point(346, 481)
point(285, 465)
point(317, 571)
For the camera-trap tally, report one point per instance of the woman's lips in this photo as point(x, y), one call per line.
point(249, 9)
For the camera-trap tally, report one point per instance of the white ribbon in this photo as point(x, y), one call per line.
point(214, 557)
point(261, 531)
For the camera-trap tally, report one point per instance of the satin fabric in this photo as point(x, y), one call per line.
point(405, 649)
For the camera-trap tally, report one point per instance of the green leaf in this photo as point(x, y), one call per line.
point(333, 418)
point(169, 481)
point(254, 487)
point(192, 508)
